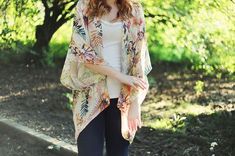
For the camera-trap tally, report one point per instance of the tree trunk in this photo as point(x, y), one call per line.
point(43, 37)
point(55, 17)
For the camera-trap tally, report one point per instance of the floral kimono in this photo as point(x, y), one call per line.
point(89, 88)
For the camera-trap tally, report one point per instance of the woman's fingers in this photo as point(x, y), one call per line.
point(134, 86)
point(137, 83)
point(134, 124)
point(130, 125)
point(140, 83)
point(140, 124)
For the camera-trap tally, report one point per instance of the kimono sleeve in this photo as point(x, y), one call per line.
point(143, 66)
point(74, 73)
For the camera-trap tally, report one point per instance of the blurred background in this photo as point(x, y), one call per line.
point(190, 106)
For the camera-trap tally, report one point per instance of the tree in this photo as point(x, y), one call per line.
point(56, 13)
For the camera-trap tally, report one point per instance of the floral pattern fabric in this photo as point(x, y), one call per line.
point(89, 88)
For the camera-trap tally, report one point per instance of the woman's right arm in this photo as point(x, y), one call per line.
point(133, 81)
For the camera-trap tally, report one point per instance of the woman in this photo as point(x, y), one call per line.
point(106, 68)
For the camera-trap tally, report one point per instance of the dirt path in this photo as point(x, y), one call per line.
point(12, 146)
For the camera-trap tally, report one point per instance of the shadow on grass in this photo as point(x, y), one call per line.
point(195, 140)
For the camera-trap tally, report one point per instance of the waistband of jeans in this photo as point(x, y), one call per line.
point(114, 98)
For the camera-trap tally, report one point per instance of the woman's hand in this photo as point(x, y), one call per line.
point(134, 114)
point(132, 81)
point(134, 118)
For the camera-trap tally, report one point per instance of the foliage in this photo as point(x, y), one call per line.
point(177, 122)
point(33, 20)
point(18, 21)
point(194, 32)
point(199, 86)
point(69, 104)
point(197, 33)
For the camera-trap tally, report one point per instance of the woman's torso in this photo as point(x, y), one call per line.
point(112, 37)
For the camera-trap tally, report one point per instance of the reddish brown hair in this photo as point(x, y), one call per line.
point(100, 7)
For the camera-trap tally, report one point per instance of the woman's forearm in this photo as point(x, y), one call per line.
point(132, 81)
point(105, 70)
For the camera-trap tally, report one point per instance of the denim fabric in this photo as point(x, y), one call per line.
point(104, 128)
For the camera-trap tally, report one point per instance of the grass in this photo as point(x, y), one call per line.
point(184, 118)
point(167, 115)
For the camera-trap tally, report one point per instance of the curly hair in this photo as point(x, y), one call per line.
point(100, 7)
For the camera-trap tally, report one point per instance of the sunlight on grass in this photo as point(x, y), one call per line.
point(170, 116)
point(24, 92)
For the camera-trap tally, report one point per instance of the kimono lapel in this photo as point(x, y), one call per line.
point(97, 33)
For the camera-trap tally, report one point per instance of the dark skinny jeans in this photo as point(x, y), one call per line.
point(105, 127)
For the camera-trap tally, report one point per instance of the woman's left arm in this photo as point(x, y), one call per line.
point(140, 69)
